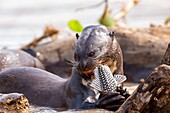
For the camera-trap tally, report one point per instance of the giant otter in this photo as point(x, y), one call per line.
point(95, 45)
point(17, 58)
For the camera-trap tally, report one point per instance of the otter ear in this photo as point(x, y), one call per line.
point(77, 35)
point(112, 34)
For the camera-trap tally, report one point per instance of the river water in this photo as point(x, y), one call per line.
point(22, 20)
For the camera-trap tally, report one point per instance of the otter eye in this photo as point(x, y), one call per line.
point(76, 57)
point(91, 54)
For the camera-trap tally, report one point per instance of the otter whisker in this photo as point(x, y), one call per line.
point(70, 62)
point(75, 64)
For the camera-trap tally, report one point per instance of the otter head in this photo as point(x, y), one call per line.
point(94, 46)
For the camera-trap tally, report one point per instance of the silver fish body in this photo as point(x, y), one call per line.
point(104, 80)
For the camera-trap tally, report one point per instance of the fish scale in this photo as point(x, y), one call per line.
point(104, 80)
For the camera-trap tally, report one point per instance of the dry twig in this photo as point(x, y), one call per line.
point(91, 6)
point(167, 21)
point(126, 9)
point(48, 32)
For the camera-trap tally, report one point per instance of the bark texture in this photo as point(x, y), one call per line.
point(152, 96)
point(13, 103)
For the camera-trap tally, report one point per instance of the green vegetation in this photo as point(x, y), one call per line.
point(75, 25)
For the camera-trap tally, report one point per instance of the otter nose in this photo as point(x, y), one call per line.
point(82, 66)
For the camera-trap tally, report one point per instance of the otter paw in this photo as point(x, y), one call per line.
point(110, 100)
point(123, 92)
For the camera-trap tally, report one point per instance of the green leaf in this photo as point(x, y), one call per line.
point(75, 25)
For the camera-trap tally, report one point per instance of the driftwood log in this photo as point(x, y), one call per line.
point(54, 55)
point(13, 103)
point(144, 46)
point(152, 96)
point(166, 59)
point(148, 97)
point(143, 49)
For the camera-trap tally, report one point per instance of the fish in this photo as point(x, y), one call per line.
point(104, 81)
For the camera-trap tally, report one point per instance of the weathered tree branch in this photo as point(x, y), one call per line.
point(143, 49)
point(126, 9)
point(147, 91)
point(152, 96)
point(166, 59)
point(13, 103)
point(144, 46)
point(48, 32)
